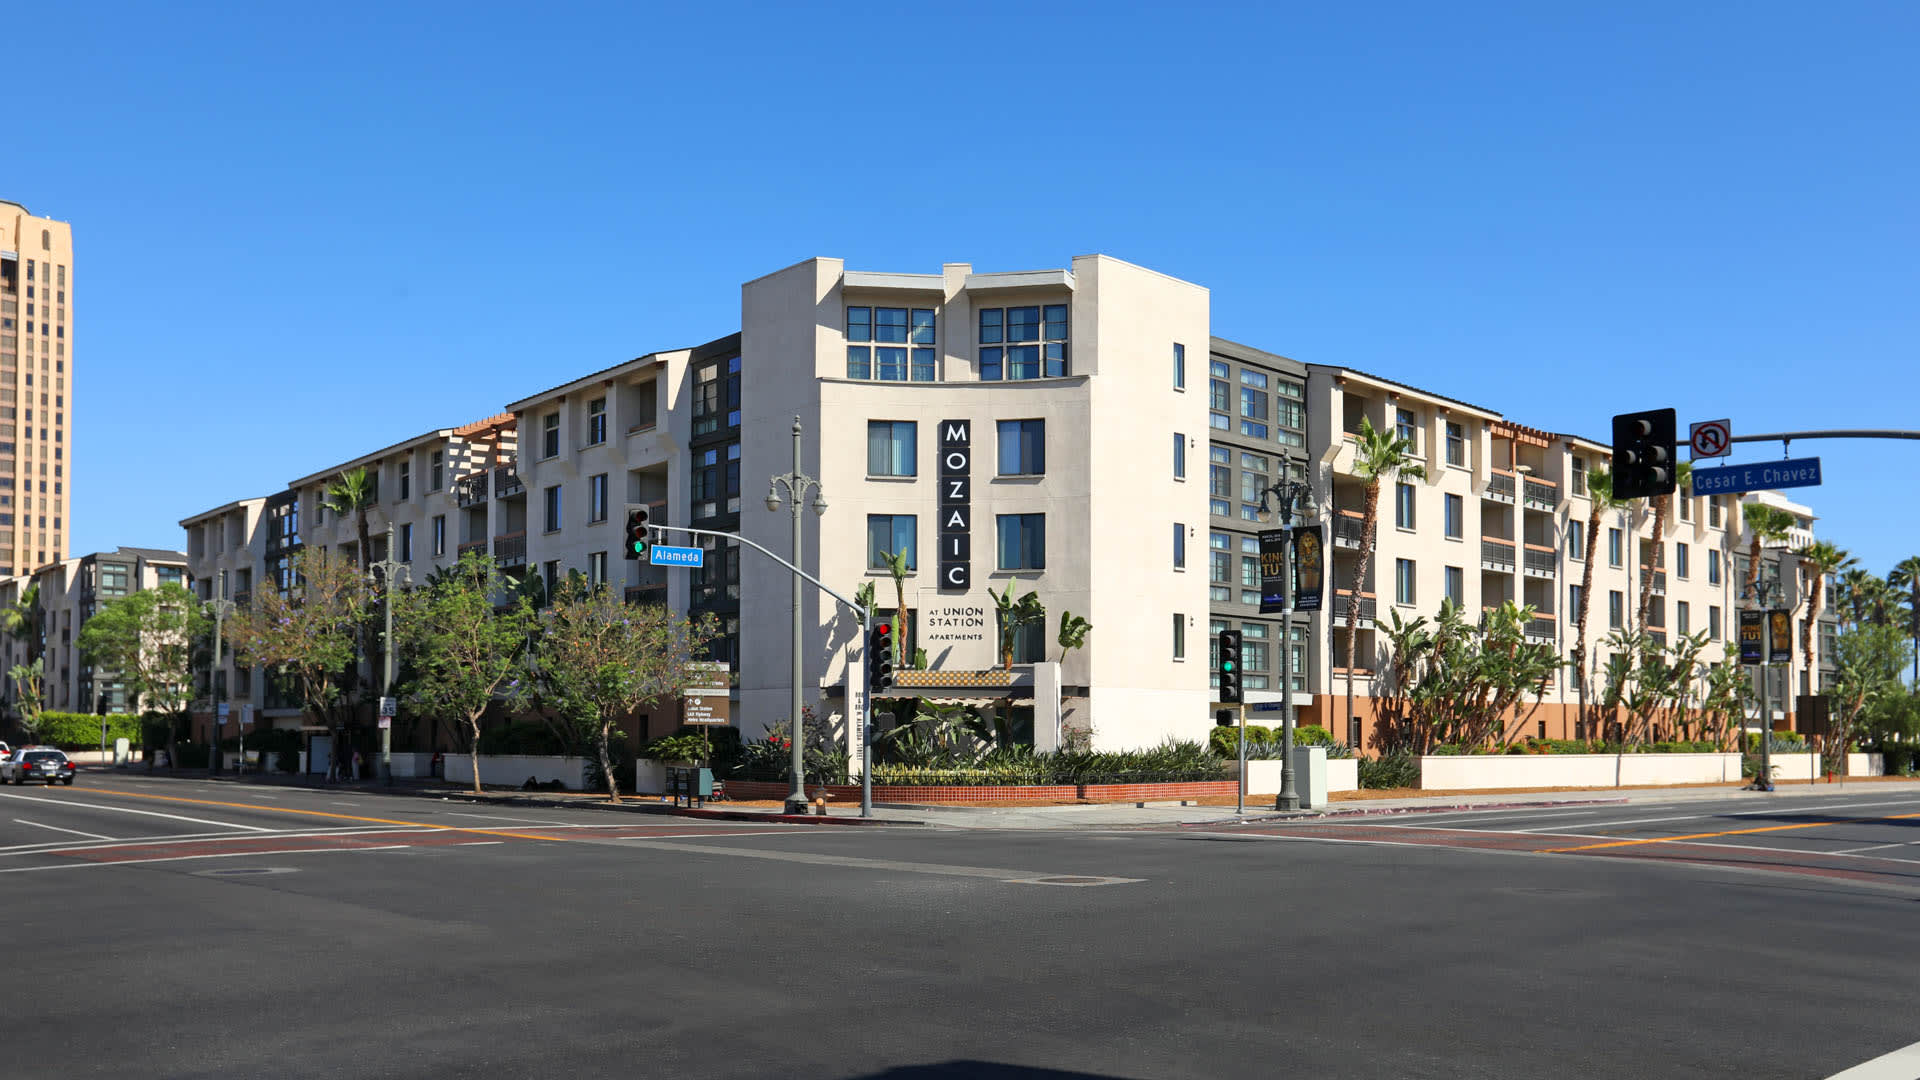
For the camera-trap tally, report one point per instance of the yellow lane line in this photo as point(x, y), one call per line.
point(328, 814)
point(1729, 832)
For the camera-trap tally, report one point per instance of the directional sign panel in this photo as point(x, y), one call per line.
point(1711, 438)
point(1733, 479)
point(661, 555)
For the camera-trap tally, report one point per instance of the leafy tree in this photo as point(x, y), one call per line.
point(1378, 456)
point(309, 635)
point(27, 683)
point(1600, 501)
point(601, 660)
point(22, 619)
point(1769, 525)
point(352, 495)
point(1072, 634)
point(1868, 660)
point(147, 639)
point(1013, 615)
point(1823, 558)
point(1906, 575)
point(1455, 682)
point(1662, 508)
point(464, 652)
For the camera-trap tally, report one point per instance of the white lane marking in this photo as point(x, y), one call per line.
point(144, 813)
point(1902, 1064)
point(185, 858)
point(56, 828)
point(1738, 813)
point(1415, 814)
point(938, 869)
point(501, 817)
point(181, 838)
point(1872, 847)
point(479, 843)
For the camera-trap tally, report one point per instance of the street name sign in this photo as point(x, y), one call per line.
point(662, 555)
point(1733, 479)
point(1711, 438)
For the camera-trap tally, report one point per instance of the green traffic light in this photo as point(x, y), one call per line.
point(1226, 665)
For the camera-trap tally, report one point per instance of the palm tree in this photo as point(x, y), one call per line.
point(1852, 595)
point(1662, 507)
point(1378, 456)
point(1601, 500)
point(352, 494)
point(1906, 575)
point(1768, 524)
point(1824, 559)
point(897, 566)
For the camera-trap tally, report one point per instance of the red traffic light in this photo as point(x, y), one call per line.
point(883, 628)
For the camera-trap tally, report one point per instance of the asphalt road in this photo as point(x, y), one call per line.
point(168, 928)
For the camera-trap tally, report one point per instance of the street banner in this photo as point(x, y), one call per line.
point(1779, 636)
point(1309, 568)
point(1273, 571)
point(1753, 636)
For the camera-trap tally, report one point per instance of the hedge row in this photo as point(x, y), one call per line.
point(81, 731)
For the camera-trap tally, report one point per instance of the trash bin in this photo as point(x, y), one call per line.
point(438, 769)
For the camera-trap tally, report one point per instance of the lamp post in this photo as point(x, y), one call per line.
point(1763, 591)
point(1295, 496)
point(389, 571)
point(796, 484)
point(221, 607)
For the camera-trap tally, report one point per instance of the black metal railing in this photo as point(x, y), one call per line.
point(1540, 627)
point(506, 481)
point(1500, 485)
point(1496, 551)
point(1346, 530)
point(471, 490)
point(471, 545)
point(1660, 582)
point(1543, 491)
point(1543, 561)
point(510, 549)
point(1342, 599)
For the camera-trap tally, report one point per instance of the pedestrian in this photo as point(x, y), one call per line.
point(333, 766)
point(356, 763)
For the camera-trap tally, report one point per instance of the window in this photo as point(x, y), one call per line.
point(1022, 541)
point(891, 534)
point(553, 508)
point(1250, 570)
point(1253, 654)
point(1456, 444)
point(1683, 617)
point(1616, 609)
point(1574, 596)
point(1179, 546)
point(1713, 622)
point(406, 480)
point(1179, 636)
point(1403, 586)
point(439, 535)
point(550, 435)
point(1576, 541)
point(1579, 475)
point(1457, 586)
point(1220, 558)
point(1682, 565)
point(1407, 426)
point(890, 344)
point(1179, 456)
point(406, 542)
point(1023, 447)
point(715, 401)
point(113, 578)
point(596, 498)
point(1616, 547)
point(1219, 396)
point(596, 421)
point(436, 469)
point(890, 448)
point(170, 575)
point(1403, 506)
point(1686, 507)
point(596, 568)
point(1713, 567)
point(1179, 366)
point(1713, 512)
point(551, 572)
point(1023, 342)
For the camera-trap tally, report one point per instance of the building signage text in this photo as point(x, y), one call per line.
point(956, 504)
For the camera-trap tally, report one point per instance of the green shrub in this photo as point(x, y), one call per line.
point(1170, 762)
point(81, 731)
point(1225, 741)
point(1390, 771)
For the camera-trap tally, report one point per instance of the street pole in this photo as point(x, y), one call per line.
point(221, 606)
point(1240, 795)
point(1289, 797)
point(391, 571)
point(797, 484)
point(866, 717)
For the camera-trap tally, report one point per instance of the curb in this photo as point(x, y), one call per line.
point(1438, 808)
point(658, 810)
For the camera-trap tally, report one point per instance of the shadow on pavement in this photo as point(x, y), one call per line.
point(966, 1070)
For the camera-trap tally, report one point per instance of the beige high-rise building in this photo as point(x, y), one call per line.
point(36, 331)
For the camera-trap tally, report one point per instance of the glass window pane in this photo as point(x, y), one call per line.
point(859, 324)
point(990, 364)
point(990, 326)
point(1023, 324)
point(921, 331)
point(890, 325)
point(1253, 378)
point(1218, 369)
point(1056, 322)
point(1056, 360)
point(1023, 362)
point(923, 368)
point(859, 362)
point(890, 363)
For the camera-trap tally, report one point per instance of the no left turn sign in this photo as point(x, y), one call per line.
point(1711, 438)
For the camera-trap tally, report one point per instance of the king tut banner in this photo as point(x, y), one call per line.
point(1309, 568)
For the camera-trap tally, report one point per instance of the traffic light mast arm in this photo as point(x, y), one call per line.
point(1791, 436)
point(857, 610)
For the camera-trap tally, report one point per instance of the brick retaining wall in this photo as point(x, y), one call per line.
point(962, 796)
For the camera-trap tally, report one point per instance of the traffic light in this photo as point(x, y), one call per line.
point(879, 658)
point(1228, 665)
point(1643, 454)
point(637, 533)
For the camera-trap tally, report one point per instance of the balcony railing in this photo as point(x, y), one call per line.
point(1346, 528)
point(1659, 583)
point(506, 481)
point(1539, 560)
point(1369, 606)
point(471, 545)
point(243, 598)
point(1496, 554)
point(1542, 493)
point(1541, 625)
point(1499, 487)
point(510, 549)
point(471, 490)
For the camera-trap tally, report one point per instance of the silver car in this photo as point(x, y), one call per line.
point(38, 763)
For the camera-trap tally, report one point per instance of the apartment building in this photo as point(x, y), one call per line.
point(226, 558)
point(70, 592)
point(36, 333)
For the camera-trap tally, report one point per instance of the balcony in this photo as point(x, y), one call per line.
point(471, 490)
point(1499, 487)
point(1346, 529)
point(243, 598)
point(471, 545)
point(1541, 625)
point(506, 481)
point(510, 550)
point(1358, 672)
point(1539, 561)
point(1369, 607)
point(1659, 583)
point(1540, 494)
point(1496, 554)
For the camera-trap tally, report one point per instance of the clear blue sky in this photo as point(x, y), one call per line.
point(303, 236)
